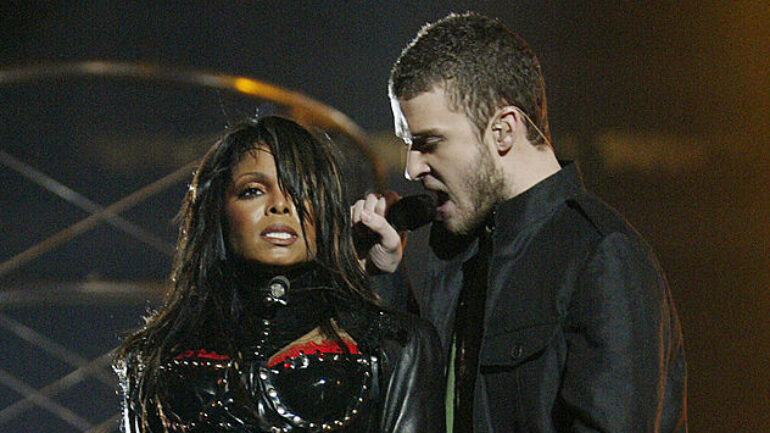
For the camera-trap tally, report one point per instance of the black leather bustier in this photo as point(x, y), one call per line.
point(315, 392)
point(279, 385)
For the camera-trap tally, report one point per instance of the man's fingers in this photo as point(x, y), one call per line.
point(375, 202)
point(381, 206)
point(370, 202)
point(385, 250)
point(355, 212)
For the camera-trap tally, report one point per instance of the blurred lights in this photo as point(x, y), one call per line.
point(651, 152)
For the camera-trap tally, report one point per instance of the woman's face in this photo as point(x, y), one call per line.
point(263, 221)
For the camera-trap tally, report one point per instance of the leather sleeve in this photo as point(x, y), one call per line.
point(414, 392)
point(132, 417)
point(130, 420)
point(394, 290)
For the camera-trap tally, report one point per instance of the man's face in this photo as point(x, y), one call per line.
point(450, 159)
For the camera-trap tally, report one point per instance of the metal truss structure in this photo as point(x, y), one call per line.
point(57, 334)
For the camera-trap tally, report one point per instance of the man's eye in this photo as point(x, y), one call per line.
point(426, 145)
point(251, 191)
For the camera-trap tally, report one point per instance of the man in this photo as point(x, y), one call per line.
point(554, 313)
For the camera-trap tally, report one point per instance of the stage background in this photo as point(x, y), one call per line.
point(665, 105)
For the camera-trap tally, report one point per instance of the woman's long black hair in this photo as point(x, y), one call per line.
point(204, 296)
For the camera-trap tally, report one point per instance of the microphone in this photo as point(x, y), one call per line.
point(411, 212)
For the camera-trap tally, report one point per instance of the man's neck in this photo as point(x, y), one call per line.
point(529, 168)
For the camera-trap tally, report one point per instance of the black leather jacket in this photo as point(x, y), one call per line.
point(580, 332)
point(389, 380)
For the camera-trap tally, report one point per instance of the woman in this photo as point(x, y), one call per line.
point(270, 324)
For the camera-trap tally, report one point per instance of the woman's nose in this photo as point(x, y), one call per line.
point(280, 205)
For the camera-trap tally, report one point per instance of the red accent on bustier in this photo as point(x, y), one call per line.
point(202, 353)
point(311, 347)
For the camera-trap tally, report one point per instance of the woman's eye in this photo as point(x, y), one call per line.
point(251, 191)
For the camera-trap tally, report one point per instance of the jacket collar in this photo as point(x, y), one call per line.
point(514, 215)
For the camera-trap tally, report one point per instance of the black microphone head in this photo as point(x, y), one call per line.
point(412, 212)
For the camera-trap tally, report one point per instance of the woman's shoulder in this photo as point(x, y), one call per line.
point(408, 326)
point(405, 342)
point(383, 326)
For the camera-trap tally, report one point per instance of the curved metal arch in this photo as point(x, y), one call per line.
point(303, 107)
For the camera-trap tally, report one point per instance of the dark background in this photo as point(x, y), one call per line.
point(665, 105)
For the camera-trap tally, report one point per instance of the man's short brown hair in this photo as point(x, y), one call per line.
point(480, 63)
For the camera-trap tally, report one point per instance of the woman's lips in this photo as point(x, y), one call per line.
point(279, 235)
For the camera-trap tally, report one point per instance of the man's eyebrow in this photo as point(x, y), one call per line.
point(432, 132)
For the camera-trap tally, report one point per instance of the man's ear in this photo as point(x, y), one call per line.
point(505, 124)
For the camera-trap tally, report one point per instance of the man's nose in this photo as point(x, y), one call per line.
point(415, 166)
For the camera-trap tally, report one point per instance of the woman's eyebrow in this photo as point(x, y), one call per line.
point(249, 176)
point(255, 175)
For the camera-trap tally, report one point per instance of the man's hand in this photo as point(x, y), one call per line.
point(369, 215)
